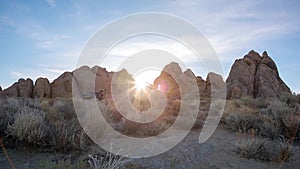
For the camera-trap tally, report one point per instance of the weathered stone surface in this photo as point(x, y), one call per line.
point(25, 88)
point(241, 76)
point(255, 76)
point(267, 80)
point(166, 81)
point(214, 84)
point(62, 86)
point(42, 88)
point(103, 79)
point(22, 88)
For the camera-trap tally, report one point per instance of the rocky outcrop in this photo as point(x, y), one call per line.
point(267, 80)
point(103, 79)
point(255, 76)
point(42, 88)
point(0, 88)
point(22, 88)
point(166, 81)
point(172, 75)
point(214, 84)
point(62, 86)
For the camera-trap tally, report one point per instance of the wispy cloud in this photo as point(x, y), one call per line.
point(52, 3)
point(42, 38)
point(17, 75)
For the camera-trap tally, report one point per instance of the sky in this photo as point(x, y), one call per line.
point(45, 38)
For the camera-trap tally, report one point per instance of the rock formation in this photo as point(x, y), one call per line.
point(214, 84)
point(22, 88)
point(255, 76)
point(172, 74)
point(42, 88)
point(0, 88)
point(62, 86)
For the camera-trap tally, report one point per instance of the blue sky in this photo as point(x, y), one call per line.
point(44, 38)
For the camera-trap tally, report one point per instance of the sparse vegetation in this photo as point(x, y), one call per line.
point(106, 161)
point(268, 130)
point(28, 125)
point(262, 148)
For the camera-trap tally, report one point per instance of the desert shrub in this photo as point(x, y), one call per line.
point(292, 125)
point(288, 98)
point(28, 125)
point(66, 164)
point(60, 134)
point(261, 103)
point(268, 126)
point(248, 101)
point(80, 141)
point(279, 109)
point(106, 161)
point(240, 122)
point(278, 119)
point(249, 146)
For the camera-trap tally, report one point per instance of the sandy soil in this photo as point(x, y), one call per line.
point(216, 153)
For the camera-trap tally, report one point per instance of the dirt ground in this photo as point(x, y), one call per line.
point(216, 153)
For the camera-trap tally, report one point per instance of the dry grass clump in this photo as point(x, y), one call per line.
point(263, 149)
point(268, 131)
point(277, 119)
point(28, 125)
point(106, 161)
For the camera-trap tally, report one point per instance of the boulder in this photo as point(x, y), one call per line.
point(241, 76)
point(62, 86)
point(255, 76)
point(267, 80)
point(11, 91)
point(25, 88)
point(201, 84)
point(22, 88)
point(42, 88)
point(166, 81)
point(103, 79)
point(214, 82)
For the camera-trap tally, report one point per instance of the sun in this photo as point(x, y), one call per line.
point(144, 79)
point(140, 85)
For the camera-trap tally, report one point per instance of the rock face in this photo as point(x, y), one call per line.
point(255, 76)
point(22, 88)
point(172, 74)
point(62, 86)
point(42, 88)
point(214, 84)
point(267, 80)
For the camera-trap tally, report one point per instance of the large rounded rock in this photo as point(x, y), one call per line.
point(103, 79)
point(22, 88)
point(214, 84)
point(267, 80)
point(62, 86)
point(25, 88)
point(255, 76)
point(42, 88)
point(242, 75)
